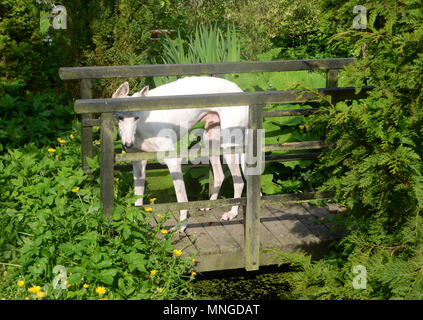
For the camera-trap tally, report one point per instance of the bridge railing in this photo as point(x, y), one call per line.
point(107, 109)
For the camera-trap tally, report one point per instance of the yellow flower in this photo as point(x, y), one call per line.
point(193, 273)
point(72, 136)
point(97, 142)
point(307, 126)
point(69, 285)
point(51, 150)
point(75, 189)
point(102, 299)
point(21, 283)
point(163, 231)
point(152, 200)
point(100, 290)
point(123, 151)
point(85, 286)
point(41, 294)
point(177, 252)
point(301, 127)
point(193, 260)
point(153, 272)
point(148, 209)
point(115, 179)
point(34, 289)
point(159, 215)
point(60, 140)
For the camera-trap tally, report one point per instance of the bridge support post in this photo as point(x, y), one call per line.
point(86, 132)
point(254, 164)
point(107, 160)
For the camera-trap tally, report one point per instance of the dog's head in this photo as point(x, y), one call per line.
point(127, 121)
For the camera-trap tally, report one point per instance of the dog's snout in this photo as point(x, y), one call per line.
point(129, 144)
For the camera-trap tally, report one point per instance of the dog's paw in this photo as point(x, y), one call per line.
point(229, 215)
point(139, 202)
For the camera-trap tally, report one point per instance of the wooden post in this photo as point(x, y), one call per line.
point(86, 132)
point(332, 81)
point(252, 214)
point(107, 162)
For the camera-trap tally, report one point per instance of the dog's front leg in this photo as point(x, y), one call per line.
point(175, 169)
point(139, 180)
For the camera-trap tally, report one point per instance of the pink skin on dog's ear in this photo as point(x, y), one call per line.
point(122, 91)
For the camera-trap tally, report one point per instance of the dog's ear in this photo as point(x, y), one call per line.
point(122, 91)
point(144, 91)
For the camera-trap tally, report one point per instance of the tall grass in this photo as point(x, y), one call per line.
point(207, 44)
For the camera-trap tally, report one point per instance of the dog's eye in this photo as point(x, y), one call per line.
point(120, 118)
point(137, 118)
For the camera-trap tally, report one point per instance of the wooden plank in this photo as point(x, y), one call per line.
point(213, 100)
point(332, 82)
point(288, 113)
point(90, 122)
point(286, 146)
point(107, 162)
point(268, 158)
point(86, 132)
point(235, 227)
point(253, 176)
point(73, 73)
point(279, 198)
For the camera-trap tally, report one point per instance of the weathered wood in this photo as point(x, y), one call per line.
point(253, 177)
point(293, 112)
point(107, 162)
point(86, 132)
point(192, 206)
point(90, 122)
point(67, 73)
point(332, 82)
point(213, 100)
point(287, 146)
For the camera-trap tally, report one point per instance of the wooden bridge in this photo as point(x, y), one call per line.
point(283, 222)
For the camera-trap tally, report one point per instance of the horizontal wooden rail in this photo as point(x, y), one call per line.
point(268, 158)
point(219, 203)
point(76, 73)
point(287, 146)
point(84, 106)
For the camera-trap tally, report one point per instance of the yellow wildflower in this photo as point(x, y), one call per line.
point(75, 189)
point(153, 272)
point(152, 200)
point(100, 290)
point(72, 136)
point(177, 252)
point(34, 289)
point(159, 215)
point(41, 294)
point(301, 127)
point(85, 286)
point(148, 209)
point(193, 273)
point(21, 283)
point(163, 231)
point(307, 126)
point(115, 179)
point(60, 140)
point(123, 151)
point(193, 260)
point(97, 142)
point(102, 299)
point(51, 150)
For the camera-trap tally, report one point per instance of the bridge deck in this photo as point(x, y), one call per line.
point(220, 245)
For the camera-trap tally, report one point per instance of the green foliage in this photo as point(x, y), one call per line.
point(18, 109)
point(207, 44)
point(50, 215)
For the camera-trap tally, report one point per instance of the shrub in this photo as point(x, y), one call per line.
point(50, 216)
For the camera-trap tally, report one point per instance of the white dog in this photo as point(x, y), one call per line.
point(143, 131)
